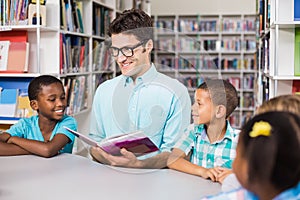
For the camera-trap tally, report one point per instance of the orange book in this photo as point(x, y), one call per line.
point(18, 56)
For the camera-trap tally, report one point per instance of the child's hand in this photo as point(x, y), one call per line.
point(225, 172)
point(212, 173)
point(10, 140)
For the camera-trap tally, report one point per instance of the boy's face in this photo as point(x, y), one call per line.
point(203, 108)
point(137, 64)
point(51, 102)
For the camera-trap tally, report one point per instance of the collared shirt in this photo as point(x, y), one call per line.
point(241, 194)
point(155, 103)
point(220, 153)
point(28, 128)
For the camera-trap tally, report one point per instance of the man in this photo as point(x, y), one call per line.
point(140, 98)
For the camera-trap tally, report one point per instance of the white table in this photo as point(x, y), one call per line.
point(72, 177)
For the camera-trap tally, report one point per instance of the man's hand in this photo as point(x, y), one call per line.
point(127, 159)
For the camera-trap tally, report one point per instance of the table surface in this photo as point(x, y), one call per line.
point(73, 177)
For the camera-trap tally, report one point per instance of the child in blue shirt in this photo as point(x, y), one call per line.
point(42, 134)
point(267, 163)
point(208, 147)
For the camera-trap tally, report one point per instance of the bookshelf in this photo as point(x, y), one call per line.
point(69, 44)
point(278, 47)
point(193, 48)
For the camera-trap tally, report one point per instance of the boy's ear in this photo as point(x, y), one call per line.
point(34, 104)
point(220, 111)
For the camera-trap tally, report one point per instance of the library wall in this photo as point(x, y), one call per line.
point(203, 7)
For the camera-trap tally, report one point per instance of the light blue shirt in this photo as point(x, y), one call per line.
point(156, 104)
point(28, 128)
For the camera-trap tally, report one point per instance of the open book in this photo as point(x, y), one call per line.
point(136, 142)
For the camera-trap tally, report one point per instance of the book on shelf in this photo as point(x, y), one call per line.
point(4, 48)
point(24, 109)
point(297, 52)
point(136, 142)
point(296, 10)
point(8, 102)
point(18, 57)
point(296, 87)
point(32, 14)
point(18, 51)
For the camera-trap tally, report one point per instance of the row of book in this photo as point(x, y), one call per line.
point(233, 25)
point(208, 25)
point(14, 51)
point(102, 60)
point(71, 12)
point(264, 11)
point(207, 63)
point(246, 83)
point(102, 18)
point(190, 25)
point(76, 89)
point(19, 12)
point(74, 54)
point(190, 44)
point(247, 63)
point(237, 121)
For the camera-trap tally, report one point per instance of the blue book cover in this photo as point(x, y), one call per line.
point(297, 10)
point(8, 96)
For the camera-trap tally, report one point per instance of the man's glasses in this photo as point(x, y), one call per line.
point(126, 51)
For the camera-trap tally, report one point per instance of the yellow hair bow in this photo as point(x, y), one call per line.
point(261, 128)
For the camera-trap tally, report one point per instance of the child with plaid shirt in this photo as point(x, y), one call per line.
point(207, 149)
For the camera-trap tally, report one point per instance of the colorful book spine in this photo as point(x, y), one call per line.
point(297, 52)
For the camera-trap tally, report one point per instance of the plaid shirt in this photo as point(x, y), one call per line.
point(220, 153)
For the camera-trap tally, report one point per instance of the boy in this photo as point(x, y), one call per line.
point(42, 134)
point(211, 142)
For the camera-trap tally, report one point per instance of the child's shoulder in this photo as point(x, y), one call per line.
point(231, 132)
point(68, 118)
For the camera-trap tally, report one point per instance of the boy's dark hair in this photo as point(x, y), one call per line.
point(222, 92)
point(274, 158)
point(36, 84)
point(133, 21)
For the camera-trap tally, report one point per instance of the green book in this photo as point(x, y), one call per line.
point(297, 52)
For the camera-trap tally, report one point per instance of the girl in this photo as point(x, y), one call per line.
point(268, 160)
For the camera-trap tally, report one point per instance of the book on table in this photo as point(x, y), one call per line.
point(136, 142)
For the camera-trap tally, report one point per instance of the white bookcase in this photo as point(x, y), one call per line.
point(47, 52)
point(193, 48)
point(277, 47)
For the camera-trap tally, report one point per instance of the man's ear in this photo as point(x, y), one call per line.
point(34, 104)
point(220, 111)
point(149, 45)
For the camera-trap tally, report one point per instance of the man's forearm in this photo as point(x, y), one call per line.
point(156, 162)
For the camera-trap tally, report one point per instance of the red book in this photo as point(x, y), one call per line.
point(296, 87)
point(14, 36)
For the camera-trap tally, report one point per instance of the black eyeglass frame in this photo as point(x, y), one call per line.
point(129, 50)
